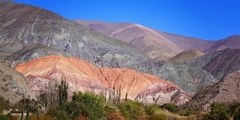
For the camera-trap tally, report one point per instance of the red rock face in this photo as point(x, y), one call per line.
point(82, 76)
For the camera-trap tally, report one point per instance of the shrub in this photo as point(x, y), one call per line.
point(58, 113)
point(8, 117)
point(112, 113)
point(132, 110)
point(189, 111)
point(3, 104)
point(234, 110)
point(151, 109)
point(219, 111)
point(3, 117)
point(170, 107)
point(158, 117)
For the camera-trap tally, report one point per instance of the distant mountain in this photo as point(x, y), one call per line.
point(158, 44)
point(187, 43)
point(146, 39)
point(82, 76)
point(13, 85)
point(226, 90)
point(219, 64)
point(186, 55)
point(229, 42)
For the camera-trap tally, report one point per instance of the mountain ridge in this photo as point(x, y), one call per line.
point(183, 43)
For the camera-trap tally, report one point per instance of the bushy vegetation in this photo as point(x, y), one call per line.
point(4, 104)
point(132, 110)
point(223, 111)
point(170, 107)
point(90, 106)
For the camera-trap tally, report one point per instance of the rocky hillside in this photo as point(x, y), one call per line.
point(26, 25)
point(219, 64)
point(186, 55)
point(189, 78)
point(227, 90)
point(13, 85)
point(82, 76)
point(30, 52)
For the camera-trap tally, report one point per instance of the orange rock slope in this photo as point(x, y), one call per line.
point(83, 76)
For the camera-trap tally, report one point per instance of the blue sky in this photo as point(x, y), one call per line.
point(205, 19)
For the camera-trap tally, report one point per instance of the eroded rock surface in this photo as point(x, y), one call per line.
point(219, 64)
point(227, 90)
point(83, 76)
point(13, 85)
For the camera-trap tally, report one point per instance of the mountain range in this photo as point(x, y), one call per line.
point(148, 65)
point(29, 32)
point(158, 44)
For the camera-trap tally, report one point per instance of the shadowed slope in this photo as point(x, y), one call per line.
point(227, 90)
point(219, 63)
point(13, 85)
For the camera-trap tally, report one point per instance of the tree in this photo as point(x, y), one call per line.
point(63, 92)
point(90, 104)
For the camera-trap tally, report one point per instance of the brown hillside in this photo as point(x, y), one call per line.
point(186, 55)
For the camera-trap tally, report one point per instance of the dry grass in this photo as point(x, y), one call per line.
point(172, 116)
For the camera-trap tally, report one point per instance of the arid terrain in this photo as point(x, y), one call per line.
point(46, 57)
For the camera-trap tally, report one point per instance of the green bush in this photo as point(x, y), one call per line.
point(90, 104)
point(170, 107)
point(132, 110)
point(85, 104)
point(158, 117)
point(189, 111)
point(151, 109)
point(3, 117)
point(234, 110)
point(8, 117)
point(219, 111)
